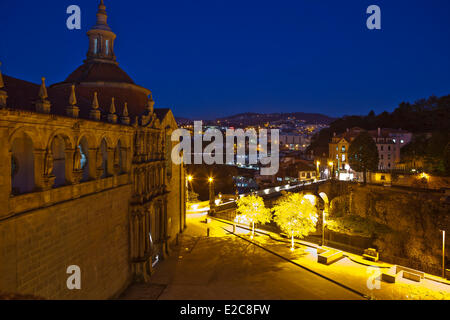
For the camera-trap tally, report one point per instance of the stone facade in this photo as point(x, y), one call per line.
point(83, 186)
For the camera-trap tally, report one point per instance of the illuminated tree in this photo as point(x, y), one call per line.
point(363, 154)
point(252, 209)
point(296, 215)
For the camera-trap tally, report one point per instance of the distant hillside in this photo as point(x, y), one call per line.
point(260, 118)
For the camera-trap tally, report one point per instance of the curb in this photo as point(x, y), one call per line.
point(303, 267)
point(313, 246)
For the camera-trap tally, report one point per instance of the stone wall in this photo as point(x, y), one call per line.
point(413, 219)
point(91, 232)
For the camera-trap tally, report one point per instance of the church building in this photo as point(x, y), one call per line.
point(86, 179)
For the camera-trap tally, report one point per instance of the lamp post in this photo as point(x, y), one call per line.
point(323, 227)
point(331, 165)
point(318, 171)
point(443, 254)
point(188, 180)
point(211, 193)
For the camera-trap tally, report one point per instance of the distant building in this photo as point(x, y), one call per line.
point(293, 141)
point(306, 170)
point(388, 141)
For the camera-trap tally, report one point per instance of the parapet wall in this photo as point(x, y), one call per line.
point(91, 232)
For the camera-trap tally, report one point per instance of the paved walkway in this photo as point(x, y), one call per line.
point(351, 271)
point(226, 267)
point(233, 266)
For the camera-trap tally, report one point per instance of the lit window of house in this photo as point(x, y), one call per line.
point(343, 157)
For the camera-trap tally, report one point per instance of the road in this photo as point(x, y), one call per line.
point(224, 266)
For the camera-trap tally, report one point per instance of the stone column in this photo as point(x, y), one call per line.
point(39, 162)
point(69, 165)
point(92, 160)
point(110, 162)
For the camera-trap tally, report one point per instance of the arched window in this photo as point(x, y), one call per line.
point(22, 165)
point(84, 161)
point(59, 161)
point(104, 151)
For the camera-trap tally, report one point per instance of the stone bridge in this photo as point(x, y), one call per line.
point(325, 191)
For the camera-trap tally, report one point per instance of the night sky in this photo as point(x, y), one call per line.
point(210, 58)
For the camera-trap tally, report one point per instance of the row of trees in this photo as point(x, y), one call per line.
point(295, 214)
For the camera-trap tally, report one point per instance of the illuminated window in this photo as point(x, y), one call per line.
point(95, 45)
point(107, 47)
point(343, 157)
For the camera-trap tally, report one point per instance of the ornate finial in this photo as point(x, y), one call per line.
point(101, 14)
point(112, 117)
point(95, 102)
point(95, 114)
point(73, 97)
point(125, 110)
point(150, 104)
point(3, 94)
point(112, 108)
point(43, 90)
point(72, 110)
point(2, 84)
point(125, 119)
point(42, 104)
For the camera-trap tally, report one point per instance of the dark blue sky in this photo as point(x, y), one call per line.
point(208, 58)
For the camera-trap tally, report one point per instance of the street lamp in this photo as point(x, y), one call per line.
point(323, 227)
point(189, 178)
point(318, 172)
point(331, 165)
point(212, 195)
point(443, 254)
